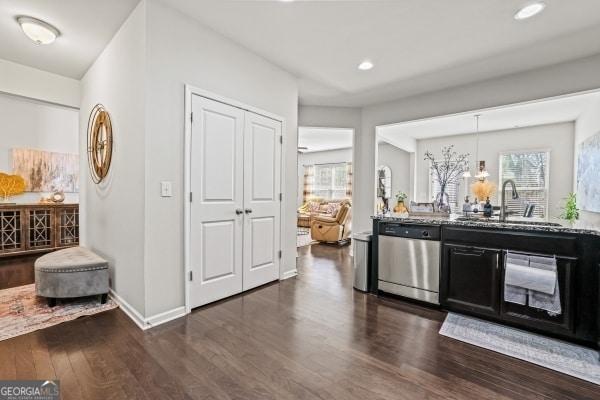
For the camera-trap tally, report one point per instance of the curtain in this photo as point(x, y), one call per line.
point(309, 174)
point(349, 180)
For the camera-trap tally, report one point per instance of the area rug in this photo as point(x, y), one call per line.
point(304, 240)
point(568, 358)
point(22, 311)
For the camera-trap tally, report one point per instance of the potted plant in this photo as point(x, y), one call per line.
point(570, 210)
point(400, 207)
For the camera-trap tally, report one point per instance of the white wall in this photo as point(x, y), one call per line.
point(587, 125)
point(329, 117)
point(571, 77)
point(181, 51)
point(399, 162)
point(557, 138)
point(112, 213)
point(36, 84)
point(36, 125)
point(319, 157)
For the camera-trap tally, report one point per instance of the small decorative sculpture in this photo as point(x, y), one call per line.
point(487, 208)
point(11, 185)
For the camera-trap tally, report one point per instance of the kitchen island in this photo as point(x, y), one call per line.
point(471, 265)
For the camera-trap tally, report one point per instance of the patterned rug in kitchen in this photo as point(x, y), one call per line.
point(578, 361)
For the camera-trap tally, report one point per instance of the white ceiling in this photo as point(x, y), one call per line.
point(322, 139)
point(85, 26)
point(417, 46)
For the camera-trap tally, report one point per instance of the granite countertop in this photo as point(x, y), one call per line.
point(513, 223)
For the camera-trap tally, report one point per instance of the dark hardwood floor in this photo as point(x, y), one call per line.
point(309, 337)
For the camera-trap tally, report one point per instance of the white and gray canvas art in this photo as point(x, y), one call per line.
point(46, 171)
point(588, 177)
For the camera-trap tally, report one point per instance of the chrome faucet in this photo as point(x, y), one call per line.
point(515, 195)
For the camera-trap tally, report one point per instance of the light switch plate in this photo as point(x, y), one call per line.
point(165, 189)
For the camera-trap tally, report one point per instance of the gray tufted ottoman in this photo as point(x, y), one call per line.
point(71, 272)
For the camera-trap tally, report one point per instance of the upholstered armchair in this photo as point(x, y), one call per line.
point(336, 228)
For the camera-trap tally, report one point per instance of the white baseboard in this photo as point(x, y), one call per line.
point(290, 274)
point(129, 310)
point(165, 317)
point(147, 323)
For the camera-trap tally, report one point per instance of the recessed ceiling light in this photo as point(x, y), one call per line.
point(38, 31)
point(530, 10)
point(365, 65)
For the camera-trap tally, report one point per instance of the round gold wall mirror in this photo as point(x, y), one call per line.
point(99, 143)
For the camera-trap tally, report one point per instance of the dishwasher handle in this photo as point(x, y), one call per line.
point(469, 251)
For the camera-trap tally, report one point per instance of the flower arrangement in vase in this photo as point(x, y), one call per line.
point(446, 171)
point(400, 207)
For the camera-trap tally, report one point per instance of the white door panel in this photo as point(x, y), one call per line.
point(235, 212)
point(217, 255)
point(262, 252)
point(219, 155)
point(264, 141)
point(217, 186)
point(262, 152)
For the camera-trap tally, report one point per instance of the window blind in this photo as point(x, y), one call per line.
point(330, 181)
point(529, 171)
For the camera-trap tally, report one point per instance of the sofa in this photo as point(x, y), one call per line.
point(330, 219)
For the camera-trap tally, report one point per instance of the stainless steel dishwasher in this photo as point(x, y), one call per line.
point(409, 260)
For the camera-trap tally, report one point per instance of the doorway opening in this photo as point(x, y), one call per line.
point(325, 185)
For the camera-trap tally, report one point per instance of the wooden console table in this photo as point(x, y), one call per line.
point(28, 231)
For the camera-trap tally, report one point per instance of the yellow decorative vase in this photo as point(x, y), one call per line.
point(400, 208)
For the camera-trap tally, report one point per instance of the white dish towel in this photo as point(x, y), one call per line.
point(545, 300)
point(532, 280)
point(513, 293)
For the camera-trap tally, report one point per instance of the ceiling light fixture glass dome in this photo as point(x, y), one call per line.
point(365, 65)
point(37, 30)
point(530, 10)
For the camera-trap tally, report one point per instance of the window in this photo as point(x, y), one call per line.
point(330, 181)
point(529, 171)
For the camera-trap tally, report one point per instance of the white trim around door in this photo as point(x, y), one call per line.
point(223, 112)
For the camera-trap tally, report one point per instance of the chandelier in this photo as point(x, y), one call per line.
point(482, 188)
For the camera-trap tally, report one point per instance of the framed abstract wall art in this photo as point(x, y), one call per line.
point(588, 179)
point(46, 171)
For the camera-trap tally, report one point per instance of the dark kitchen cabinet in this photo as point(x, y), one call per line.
point(471, 279)
point(561, 323)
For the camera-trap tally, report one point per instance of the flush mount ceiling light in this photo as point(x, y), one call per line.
point(530, 10)
point(38, 31)
point(365, 65)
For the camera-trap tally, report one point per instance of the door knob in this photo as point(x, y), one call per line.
point(239, 211)
point(248, 210)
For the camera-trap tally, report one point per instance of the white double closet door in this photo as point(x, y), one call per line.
point(235, 208)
